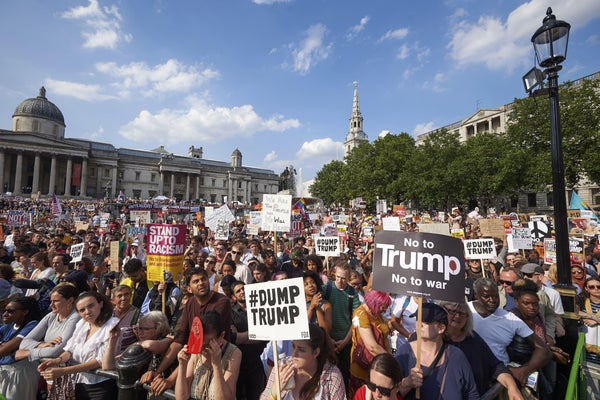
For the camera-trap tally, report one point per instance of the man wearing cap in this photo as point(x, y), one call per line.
point(293, 267)
point(498, 327)
point(448, 374)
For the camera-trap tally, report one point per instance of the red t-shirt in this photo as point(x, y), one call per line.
point(361, 394)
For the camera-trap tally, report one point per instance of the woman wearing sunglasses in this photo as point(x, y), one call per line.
point(385, 377)
point(590, 312)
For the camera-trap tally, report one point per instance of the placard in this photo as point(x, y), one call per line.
point(76, 252)
point(576, 249)
point(480, 249)
point(218, 221)
point(165, 250)
point(277, 310)
point(114, 256)
point(521, 238)
point(439, 228)
point(328, 246)
point(419, 264)
point(140, 217)
point(276, 213)
point(391, 223)
point(549, 251)
point(17, 218)
point(254, 222)
point(492, 228)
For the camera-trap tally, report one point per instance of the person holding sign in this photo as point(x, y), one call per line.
point(212, 374)
point(313, 371)
point(444, 372)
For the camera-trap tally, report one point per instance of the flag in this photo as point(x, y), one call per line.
point(56, 208)
point(577, 203)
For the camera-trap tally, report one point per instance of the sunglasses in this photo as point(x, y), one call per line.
point(11, 310)
point(576, 271)
point(236, 252)
point(507, 283)
point(593, 286)
point(456, 312)
point(209, 261)
point(383, 390)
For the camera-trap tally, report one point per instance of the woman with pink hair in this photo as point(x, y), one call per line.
point(369, 335)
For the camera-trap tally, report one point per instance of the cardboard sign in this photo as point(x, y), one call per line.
point(165, 249)
point(419, 264)
point(521, 238)
point(254, 222)
point(576, 249)
point(277, 310)
point(492, 228)
point(480, 249)
point(439, 228)
point(114, 256)
point(76, 252)
point(17, 218)
point(140, 217)
point(276, 213)
point(574, 213)
point(391, 223)
point(328, 246)
point(457, 233)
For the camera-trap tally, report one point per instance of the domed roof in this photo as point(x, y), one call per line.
point(40, 107)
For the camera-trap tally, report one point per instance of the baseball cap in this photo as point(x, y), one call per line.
point(433, 313)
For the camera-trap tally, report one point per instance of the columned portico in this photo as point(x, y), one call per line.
point(84, 173)
point(52, 184)
point(113, 186)
point(187, 187)
point(35, 184)
point(2, 161)
point(172, 191)
point(18, 173)
point(68, 177)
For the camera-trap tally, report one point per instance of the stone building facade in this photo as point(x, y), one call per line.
point(36, 158)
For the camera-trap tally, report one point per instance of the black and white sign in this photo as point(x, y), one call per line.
point(480, 249)
point(539, 230)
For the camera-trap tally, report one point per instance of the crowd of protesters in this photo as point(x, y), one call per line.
point(63, 320)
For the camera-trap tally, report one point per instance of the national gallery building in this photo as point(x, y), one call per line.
point(36, 158)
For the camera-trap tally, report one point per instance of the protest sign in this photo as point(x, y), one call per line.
point(439, 228)
point(140, 217)
point(539, 229)
point(419, 264)
point(280, 305)
point(253, 222)
point(329, 230)
point(480, 249)
point(17, 218)
point(457, 233)
point(296, 226)
point(399, 210)
point(549, 251)
point(521, 238)
point(574, 213)
point(342, 231)
point(114, 256)
point(327, 246)
point(391, 223)
point(576, 249)
point(218, 221)
point(492, 228)
point(276, 213)
point(76, 252)
point(166, 246)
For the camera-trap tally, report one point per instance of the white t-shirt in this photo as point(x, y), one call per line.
point(409, 323)
point(498, 330)
point(555, 299)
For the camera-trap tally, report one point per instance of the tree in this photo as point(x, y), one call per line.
point(329, 184)
point(529, 135)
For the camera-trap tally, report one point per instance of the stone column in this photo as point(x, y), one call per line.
point(52, 184)
point(18, 173)
point(248, 191)
point(187, 187)
point(172, 191)
point(36, 174)
point(197, 187)
point(2, 160)
point(113, 183)
point(68, 178)
point(229, 189)
point(161, 183)
point(83, 187)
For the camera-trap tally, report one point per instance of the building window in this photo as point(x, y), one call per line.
point(137, 193)
point(17, 124)
point(107, 172)
point(35, 125)
point(213, 198)
point(120, 174)
point(153, 178)
point(137, 176)
point(256, 187)
point(239, 184)
point(224, 182)
point(596, 196)
point(265, 188)
point(55, 130)
point(531, 199)
point(550, 199)
point(202, 181)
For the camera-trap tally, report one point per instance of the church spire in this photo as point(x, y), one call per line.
point(355, 135)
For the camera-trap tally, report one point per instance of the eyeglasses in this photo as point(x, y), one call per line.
point(209, 261)
point(11, 310)
point(456, 312)
point(507, 283)
point(593, 287)
point(235, 252)
point(576, 271)
point(383, 390)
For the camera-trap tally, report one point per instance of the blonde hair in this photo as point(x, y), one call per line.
point(553, 273)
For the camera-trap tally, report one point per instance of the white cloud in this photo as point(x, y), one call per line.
point(384, 133)
point(172, 76)
point(78, 90)
point(423, 128)
point(103, 25)
point(320, 148)
point(435, 84)
point(506, 44)
point(311, 50)
point(356, 29)
point(396, 34)
point(403, 52)
point(201, 121)
point(272, 156)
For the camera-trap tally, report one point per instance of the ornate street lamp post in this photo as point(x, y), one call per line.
point(550, 43)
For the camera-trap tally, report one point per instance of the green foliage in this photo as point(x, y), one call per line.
point(329, 182)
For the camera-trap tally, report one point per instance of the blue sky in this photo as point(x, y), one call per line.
point(274, 78)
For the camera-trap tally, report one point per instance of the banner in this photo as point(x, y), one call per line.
point(419, 264)
point(276, 213)
point(277, 310)
point(480, 249)
point(165, 249)
point(327, 246)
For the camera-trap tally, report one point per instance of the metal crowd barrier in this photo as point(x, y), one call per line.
point(168, 394)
